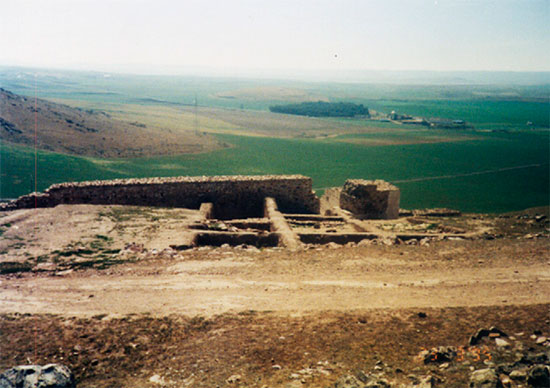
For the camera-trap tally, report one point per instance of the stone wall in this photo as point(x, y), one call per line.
point(279, 224)
point(376, 199)
point(232, 196)
point(364, 199)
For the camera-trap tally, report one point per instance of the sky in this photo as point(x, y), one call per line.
point(165, 36)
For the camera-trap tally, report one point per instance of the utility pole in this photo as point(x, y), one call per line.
point(196, 123)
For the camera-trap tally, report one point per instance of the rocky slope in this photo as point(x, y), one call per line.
point(70, 130)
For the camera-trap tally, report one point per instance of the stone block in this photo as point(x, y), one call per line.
point(376, 199)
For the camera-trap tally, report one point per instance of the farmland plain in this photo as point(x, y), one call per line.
point(500, 165)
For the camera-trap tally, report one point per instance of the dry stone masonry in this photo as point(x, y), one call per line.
point(365, 199)
point(231, 196)
point(266, 210)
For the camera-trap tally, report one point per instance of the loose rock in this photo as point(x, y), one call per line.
point(233, 379)
point(541, 340)
point(157, 379)
point(485, 378)
point(518, 375)
point(481, 333)
point(36, 376)
point(539, 376)
point(502, 343)
point(364, 243)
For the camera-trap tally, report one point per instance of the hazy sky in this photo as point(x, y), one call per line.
point(280, 35)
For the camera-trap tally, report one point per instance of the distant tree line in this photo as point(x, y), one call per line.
point(322, 109)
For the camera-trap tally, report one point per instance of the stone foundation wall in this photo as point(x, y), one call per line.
point(279, 224)
point(370, 199)
point(364, 199)
point(231, 196)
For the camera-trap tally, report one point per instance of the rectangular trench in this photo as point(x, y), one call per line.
point(220, 238)
point(338, 238)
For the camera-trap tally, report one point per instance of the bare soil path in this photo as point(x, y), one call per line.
point(215, 281)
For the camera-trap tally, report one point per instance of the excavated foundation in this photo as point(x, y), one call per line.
point(262, 211)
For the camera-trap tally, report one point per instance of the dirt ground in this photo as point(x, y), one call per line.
point(94, 287)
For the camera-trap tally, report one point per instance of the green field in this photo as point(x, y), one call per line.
point(510, 171)
point(502, 165)
point(489, 106)
point(482, 113)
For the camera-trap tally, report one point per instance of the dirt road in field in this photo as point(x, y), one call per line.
point(213, 281)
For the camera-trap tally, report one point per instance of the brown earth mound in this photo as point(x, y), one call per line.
point(61, 128)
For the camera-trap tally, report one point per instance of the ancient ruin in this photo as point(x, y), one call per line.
point(232, 196)
point(365, 199)
point(272, 210)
